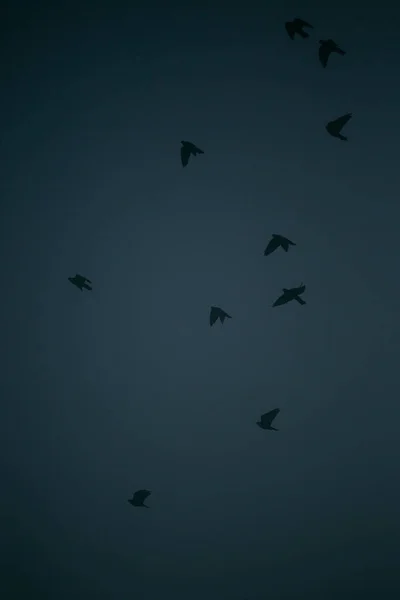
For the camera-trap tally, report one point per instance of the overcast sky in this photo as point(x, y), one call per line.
point(127, 386)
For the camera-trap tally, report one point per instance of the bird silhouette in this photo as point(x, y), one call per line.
point(278, 240)
point(335, 127)
point(186, 150)
point(296, 26)
point(325, 50)
point(267, 418)
point(139, 497)
point(80, 282)
point(217, 313)
point(291, 294)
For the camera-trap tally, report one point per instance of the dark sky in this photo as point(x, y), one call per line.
point(127, 386)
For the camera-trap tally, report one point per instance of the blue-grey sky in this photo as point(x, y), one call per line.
point(127, 386)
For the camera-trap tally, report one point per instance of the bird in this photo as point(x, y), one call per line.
point(187, 149)
point(335, 127)
point(278, 240)
point(267, 418)
point(139, 497)
point(296, 26)
point(217, 313)
point(291, 294)
point(80, 282)
point(325, 50)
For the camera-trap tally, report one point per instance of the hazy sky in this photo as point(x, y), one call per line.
point(127, 386)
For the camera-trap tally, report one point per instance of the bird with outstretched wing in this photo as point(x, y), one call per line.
point(217, 313)
point(267, 418)
point(139, 497)
point(186, 150)
point(278, 240)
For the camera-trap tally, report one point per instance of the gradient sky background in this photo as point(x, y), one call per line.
point(127, 386)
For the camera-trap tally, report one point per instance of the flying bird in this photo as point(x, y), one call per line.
point(335, 127)
point(267, 418)
point(80, 282)
point(187, 149)
point(325, 50)
point(291, 294)
point(139, 497)
point(278, 240)
point(217, 313)
point(296, 26)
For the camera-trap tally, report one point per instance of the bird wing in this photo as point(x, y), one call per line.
point(289, 29)
point(267, 418)
point(281, 300)
point(214, 314)
point(197, 150)
point(323, 54)
point(141, 495)
point(185, 154)
point(285, 244)
point(272, 245)
point(341, 121)
point(223, 315)
point(303, 23)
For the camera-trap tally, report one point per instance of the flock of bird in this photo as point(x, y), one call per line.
point(327, 47)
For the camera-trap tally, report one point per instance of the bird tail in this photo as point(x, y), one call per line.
point(274, 428)
point(300, 300)
point(342, 137)
point(342, 52)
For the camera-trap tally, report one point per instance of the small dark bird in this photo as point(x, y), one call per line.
point(217, 313)
point(266, 419)
point(291, 294)
point(296, 26)
point(139, 497)
point(187, 149)
point(80, 282)
point(325, 50)
point(278, 240)
point(335, 127)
